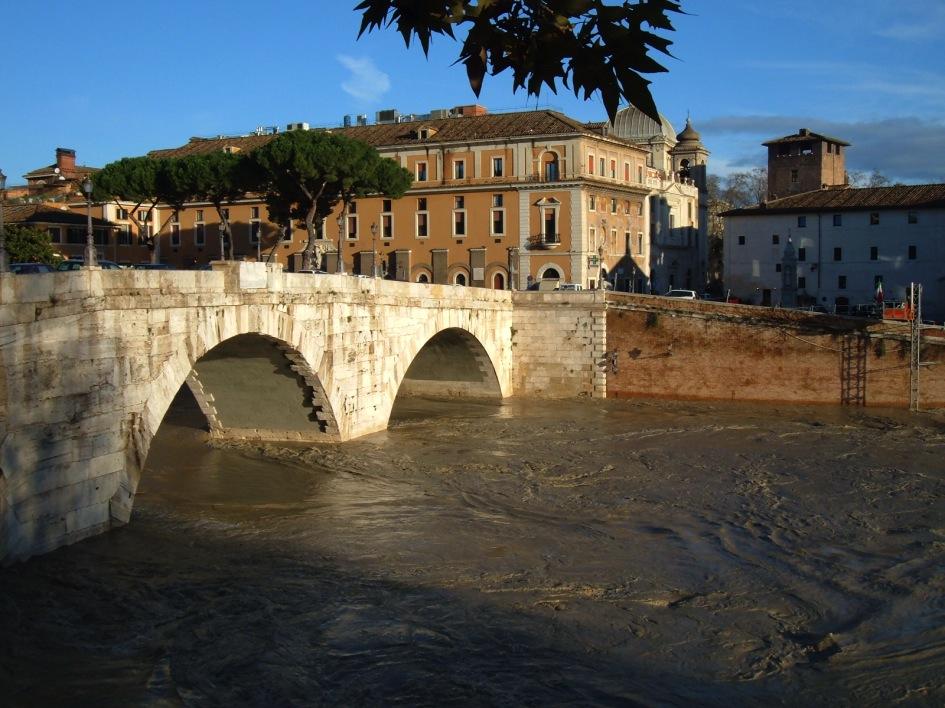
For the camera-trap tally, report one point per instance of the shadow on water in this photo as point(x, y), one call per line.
point(505, 554)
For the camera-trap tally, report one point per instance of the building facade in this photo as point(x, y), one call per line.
point(498, 200)
point(818, 242)
point(676, 175)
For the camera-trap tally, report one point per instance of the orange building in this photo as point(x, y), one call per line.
point(498, 200)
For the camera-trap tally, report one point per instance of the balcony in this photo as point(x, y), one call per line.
point(544, 242)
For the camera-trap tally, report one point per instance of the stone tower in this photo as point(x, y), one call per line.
point(805, 162)
point(690, 158)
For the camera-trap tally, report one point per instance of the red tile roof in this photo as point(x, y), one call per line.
point(46, 214)
point(805, 136)
point(918, 196)
point(494, 126)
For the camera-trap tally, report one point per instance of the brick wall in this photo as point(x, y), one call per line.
point(712, 351)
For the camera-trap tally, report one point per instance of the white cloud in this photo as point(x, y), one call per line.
point(366, 82)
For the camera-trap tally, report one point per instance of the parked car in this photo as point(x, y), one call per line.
point(76, 263)
point(31, 268)
point(683, 294)
point(870, 309)
point(152, 266)
point(569, 286)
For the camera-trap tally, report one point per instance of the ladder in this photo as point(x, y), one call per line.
point(915, 349)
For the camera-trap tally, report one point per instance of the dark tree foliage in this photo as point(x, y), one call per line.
point(28, 244)
point(589, 45)
point(305, 174)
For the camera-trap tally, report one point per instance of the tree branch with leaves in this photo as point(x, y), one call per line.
point(589, 45)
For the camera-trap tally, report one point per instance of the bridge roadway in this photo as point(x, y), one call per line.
point(92, 359)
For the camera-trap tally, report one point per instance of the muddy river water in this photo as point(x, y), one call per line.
point(528, 553)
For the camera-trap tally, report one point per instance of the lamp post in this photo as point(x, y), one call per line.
point(4, 259)
point(340, 266)
point(374, 249)
point(91, 257)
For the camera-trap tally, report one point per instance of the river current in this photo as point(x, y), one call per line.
point(523, 553)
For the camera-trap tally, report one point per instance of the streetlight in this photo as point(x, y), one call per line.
point(340, 267)
point(91, 257)
point(4, 260)
point(374, 249)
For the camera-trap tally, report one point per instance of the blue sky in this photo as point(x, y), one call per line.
point(111, 79)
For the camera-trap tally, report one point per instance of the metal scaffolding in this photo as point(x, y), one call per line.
point(915, 350)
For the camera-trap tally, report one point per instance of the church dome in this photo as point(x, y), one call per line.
point(633, 124)
point(689, 134)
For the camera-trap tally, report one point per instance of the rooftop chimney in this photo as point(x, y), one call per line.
point(65, 159)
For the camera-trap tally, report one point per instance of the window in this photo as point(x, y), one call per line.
point(874, 253)
point(287, 231)
point(640, 209)
point(352, 230)
point(175, 235)
point(601, 162)
point(794, 176)
point(55, 234)
point(498, 215)
point(459, 169)
point(640, 174)
point(387, 219)
point(912, 217)
point(801, 282)
point(640, 244)
point(421, 172)
point(741, 240)
point(460, 279)
point(197, 217)
point(626, 172)
point(912, 253)
point(121, 214)
point(802, 222)
point(254, 229)
point(254, 213)
point(874, 218)
point(802, 254)
point(777, 267)
point(497, 166)
point(829, 148)
point(838, 253)
point(590, 164)
point(841, 282)
point(613, 169)
point(775, 239)
point(75, 235)
point(459, 216)
point(200, 234)
point(498, 222)
point(549, 222)
point(838, 219)
point(613, 205)
point(591, 202)
point(225, 212)
point(124, 235)
point(422, 218)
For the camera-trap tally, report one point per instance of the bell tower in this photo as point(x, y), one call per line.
point(805, 162)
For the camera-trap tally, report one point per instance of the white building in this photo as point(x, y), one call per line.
point(676, 213)
point(846, 241)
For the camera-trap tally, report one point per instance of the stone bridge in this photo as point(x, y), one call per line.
point(91, 360)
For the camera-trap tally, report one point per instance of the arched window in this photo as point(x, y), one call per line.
point(423, 279)
point(551, 273)
point(550, 167)
point(460, 279)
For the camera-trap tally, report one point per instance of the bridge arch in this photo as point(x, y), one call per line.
point(449, 359)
